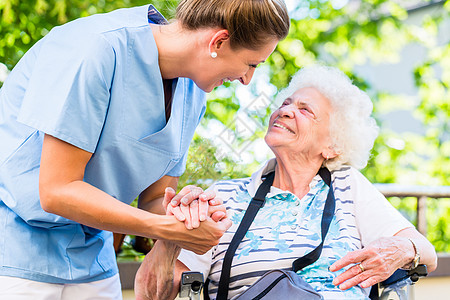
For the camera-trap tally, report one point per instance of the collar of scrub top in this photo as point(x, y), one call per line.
point(155, 17)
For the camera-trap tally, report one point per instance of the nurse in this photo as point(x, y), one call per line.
point(101, 111)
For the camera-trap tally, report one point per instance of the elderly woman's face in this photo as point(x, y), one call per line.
point(301, 124)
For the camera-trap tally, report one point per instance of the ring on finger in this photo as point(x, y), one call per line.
point(361, 267)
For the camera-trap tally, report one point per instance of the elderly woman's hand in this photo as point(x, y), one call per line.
point(374, 263)
point(192, 205)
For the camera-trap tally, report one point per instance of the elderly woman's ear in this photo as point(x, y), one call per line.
point(330, 153)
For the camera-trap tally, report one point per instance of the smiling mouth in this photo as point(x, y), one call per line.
point(283, 127)
point(228, 79)
point(222, 81)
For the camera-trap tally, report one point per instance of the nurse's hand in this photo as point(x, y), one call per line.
point(192, 206)
point(198, 240)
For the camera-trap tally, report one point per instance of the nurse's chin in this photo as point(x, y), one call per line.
point(208, 89)
point(209, 86)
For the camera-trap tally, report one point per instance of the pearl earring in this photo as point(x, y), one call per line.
point(213, 54)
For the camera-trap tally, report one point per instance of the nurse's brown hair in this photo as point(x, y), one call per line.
point(250, 23)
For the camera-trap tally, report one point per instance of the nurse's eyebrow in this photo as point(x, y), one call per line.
point(260, 62)
point(256, 64)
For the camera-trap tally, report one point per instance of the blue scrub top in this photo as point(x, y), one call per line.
point(96, 84)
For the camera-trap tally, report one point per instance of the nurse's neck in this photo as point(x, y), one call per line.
point(180, 50)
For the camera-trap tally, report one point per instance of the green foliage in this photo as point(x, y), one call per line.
point(438, 213)
point(25, 22)
point(203, 167)
point(128, 253)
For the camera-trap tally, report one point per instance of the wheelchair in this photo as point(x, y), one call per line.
point(399, 286)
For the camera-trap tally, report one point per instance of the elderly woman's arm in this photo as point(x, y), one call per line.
point(382, 258)
point(427, 253)
point(160, 273)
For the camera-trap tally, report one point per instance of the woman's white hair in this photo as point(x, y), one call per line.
point(352, 129)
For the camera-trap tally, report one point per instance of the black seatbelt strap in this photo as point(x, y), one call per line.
point(253, 208)
point(327, 216)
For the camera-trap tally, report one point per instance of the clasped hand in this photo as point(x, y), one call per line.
point(192, 205)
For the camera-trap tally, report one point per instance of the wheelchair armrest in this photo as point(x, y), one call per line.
point(396, 280)
point(400, 274)
point(420, 271)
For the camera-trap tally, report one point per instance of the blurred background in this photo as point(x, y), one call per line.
point(397, 51)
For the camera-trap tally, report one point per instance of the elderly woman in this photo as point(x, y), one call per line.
point(324, 121)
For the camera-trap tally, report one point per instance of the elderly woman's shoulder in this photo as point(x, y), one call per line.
point(351, 181)
point(343, 172)
point(232, 184)
point(348, 173)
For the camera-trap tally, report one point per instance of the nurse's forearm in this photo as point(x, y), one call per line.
point(63, 192)
point(83, 203)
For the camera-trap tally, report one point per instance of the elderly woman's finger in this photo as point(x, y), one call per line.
point(216, 208)
point(191, 196)
point(216, 201)
point(217, 212)
point(169, 193)
point(207, 195)
point(203, 210)
point(370, 281)
point(353, 281)
point(176, 200)
point(365, 278)
point(185, 191)
point(186, 212)
point(176, 211)
point(353, 257)
point(193, 209)
point(350, 277)
point(204, 203)
point(218, 216)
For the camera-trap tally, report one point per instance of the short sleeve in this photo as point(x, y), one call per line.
point(375, 216)
point(68, 91)
point(180, 167)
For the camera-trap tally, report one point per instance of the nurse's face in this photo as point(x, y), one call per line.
point(233, 64)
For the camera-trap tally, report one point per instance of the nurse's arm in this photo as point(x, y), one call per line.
point(151, 199)
point(63, 192)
